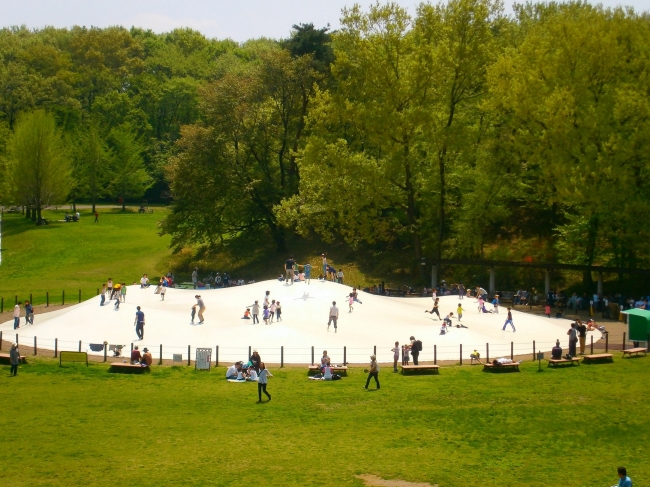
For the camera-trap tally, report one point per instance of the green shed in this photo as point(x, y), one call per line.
point(638, 324)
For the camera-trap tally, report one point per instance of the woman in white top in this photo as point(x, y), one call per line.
point(373, 371)
point(262, 380)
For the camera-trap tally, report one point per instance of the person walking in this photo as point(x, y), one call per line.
point(582, 335)
point(395, 351)
point(195, 276)
point(496, 303)
point(262, 381)
point(509, 321)
point(163, 290)
point(123, 292)
point(14, 358)
point(416, 348)
point(201, 306)
point(461, 291)
point(17, 315)
point(288, 269)
point(334, 316)
point(351, 302)
point(96, 217)
point(256, 311)
point(29, 313)
point(103, 295)
point(278, 311)
point(373, 372)
point(139, 323)
point(307, 270)
point(573, 339)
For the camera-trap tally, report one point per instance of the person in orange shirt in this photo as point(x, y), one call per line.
point(147, 359)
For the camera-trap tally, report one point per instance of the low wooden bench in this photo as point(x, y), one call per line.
point(343, 369)
point(490, 366)
point(128, 368)
point(413, 368)
point(563, 361)
point(5, 359)
point(635, 351)
point(599, 356)
point(73, 357)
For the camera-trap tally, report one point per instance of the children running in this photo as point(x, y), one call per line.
point(459, 311)
point(509, 321)
point(435, 309)
point(272, 309)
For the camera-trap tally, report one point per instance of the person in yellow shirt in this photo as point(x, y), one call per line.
point(460, 311)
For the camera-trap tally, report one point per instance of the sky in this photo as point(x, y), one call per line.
point(236, 19)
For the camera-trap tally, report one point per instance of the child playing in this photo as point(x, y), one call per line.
point(481, 304)
point(193, 313)
point(123, 292)
point(163, 290)
point(351, 302)
point(395, 351)
point(405, 355)
point(247, 314)
point(265, 314)
point(460, 311)
point(256, 312)
point(547, 310)
point(495, 303)
point(272, 309)
point(278, 311)
point(307, 271)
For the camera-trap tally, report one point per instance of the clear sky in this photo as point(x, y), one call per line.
point(238, 19)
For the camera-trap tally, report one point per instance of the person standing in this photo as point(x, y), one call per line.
point(267, 298)
point(278, 311)
point(509, 321)
point(163, 290)
point(123, 292)
point(351, 302)
point(395, 351)
point(307, 271)
point(96, 217)
point(17, 315)
point(373, 372)
point(256, 311)
point(582, 335)
point(324, 259)
point(272, 309)
point(262, 381)
point(459, 311)
point(416, 348)
point(495, 303)
point(103, 295)
point(288, 269)
point(195, 276)
point(339, 276)
point(334, 316)
point(14, 357)
point(623, 479)
point(461, 291)
point(109, 288)
point(201, 306)
point(573, 339)
point(139, 323)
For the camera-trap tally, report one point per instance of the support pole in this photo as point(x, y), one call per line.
point(592, 344)
point(188, 355)
point(534, 350)
point(281, 356)
point(374, 351)
point(623, 341)
point(17, 339)
point(105, 351)
point(312, 355)
point(512, 350)
point(249, 351)
point(435, 355)
point(461, 354)
point(345, 356)
point(63, 298)
point(606, 342)
point(547, 282)
point(217, 357)
point(80, 295)
point(47, 299)
point(487, 352)
point(0, 340)
point(80, 345)
point(160, 356)
point(2, 305)
point(56, 347)
point(35, 345)
point(492, 285)
point(434, 276)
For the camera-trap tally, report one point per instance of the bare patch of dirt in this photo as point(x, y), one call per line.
point(374, 481)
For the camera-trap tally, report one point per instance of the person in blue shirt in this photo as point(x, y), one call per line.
point(623, 479)
point(139, 323)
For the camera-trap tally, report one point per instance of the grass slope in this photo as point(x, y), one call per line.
point(73, 256)
point(83, 426)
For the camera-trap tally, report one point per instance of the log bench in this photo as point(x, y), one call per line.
point(599, 356)
point(491, 366)
point(635, 351)
point(342, 370)
point(127, 368)
point(413, 368)
point(6, 359)
point(563, 361)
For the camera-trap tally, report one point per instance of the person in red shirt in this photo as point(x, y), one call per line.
point(135, 355)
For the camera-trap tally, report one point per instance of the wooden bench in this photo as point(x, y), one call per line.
point(343, 369)
point(414, 368)
point(128, 368)
point(512, 366)
point(6, 359)
point(635, 351)
point(73, 357)
point(599, 356)
point(563, 361)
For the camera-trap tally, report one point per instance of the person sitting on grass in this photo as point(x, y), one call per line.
point(231, 373)
point(556, 351)
point(475, 356)
point(623, 479)
point(135, 355)
point(324, 360)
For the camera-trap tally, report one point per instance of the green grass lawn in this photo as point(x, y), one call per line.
point(176, 426)
point(73, 256)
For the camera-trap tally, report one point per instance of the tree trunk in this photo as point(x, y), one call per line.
point(27, 212)
point(40, 219)
point(412, 213)
point(34, 215)
point(74, 206)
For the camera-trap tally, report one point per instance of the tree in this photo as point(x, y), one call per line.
point(40, 168)
point(128, 176)
point(92, 159)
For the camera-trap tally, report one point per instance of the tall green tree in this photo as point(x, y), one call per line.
point(39, 165)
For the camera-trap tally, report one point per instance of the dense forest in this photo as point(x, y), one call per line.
point(458, 131)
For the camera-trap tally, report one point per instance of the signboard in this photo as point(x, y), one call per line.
point(203, 359)
point(178, 357)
